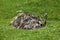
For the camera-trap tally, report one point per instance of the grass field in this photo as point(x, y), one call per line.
point(8, 10)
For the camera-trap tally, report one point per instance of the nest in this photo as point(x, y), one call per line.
point(25, 20)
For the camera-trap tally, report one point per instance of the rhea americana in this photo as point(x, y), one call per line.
point(17, 19)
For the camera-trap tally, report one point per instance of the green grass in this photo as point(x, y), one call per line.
point(8, 10)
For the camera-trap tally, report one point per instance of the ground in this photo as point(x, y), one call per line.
point(8, 10)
